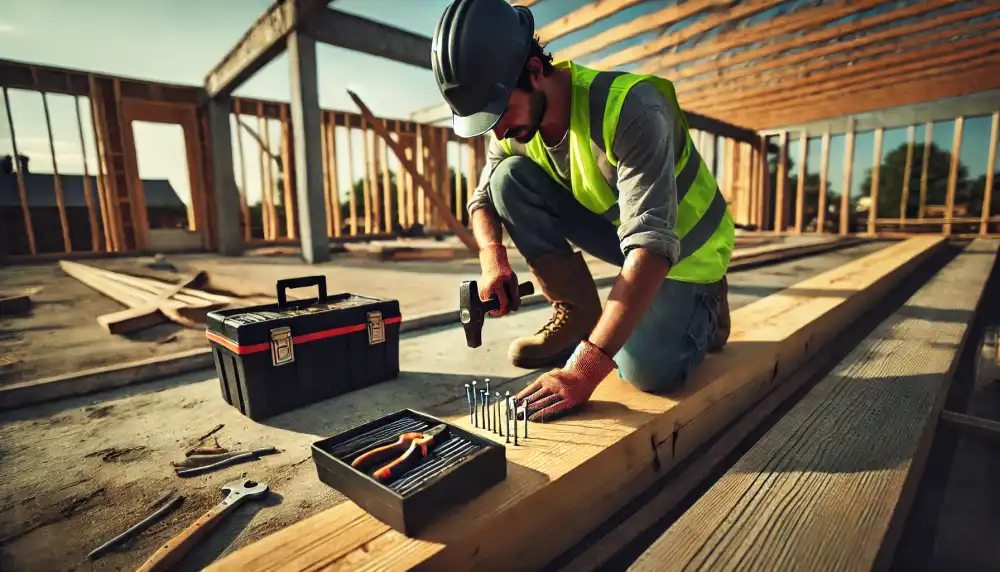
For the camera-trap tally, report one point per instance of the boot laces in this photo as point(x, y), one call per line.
point(557, 320)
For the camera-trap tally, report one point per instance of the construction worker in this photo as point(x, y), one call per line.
point(602, 160)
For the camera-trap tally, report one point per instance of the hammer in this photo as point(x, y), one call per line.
point(473, 310)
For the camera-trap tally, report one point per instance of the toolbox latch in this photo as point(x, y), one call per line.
point(376, 328)
point(282, 346)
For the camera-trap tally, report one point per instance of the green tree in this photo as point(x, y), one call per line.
point(893, 169)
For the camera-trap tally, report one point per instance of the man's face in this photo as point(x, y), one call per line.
point(523, 117)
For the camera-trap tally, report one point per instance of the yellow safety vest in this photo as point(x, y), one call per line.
point(704, 224)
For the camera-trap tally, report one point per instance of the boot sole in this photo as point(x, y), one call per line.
point(557, 360)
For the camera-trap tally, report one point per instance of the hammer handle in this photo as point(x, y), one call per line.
point(524, 289)
point(170, 553)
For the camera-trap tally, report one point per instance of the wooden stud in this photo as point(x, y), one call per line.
point(904, 197)
point(95, 241)
point(873, 193)
point(386, 183)
point(845, 196)
point(764, 206)
point(21, 191)
point(782, 175)
point(421, 201)
point(800, 189)
point(824, 167)
point(244, 205)
point(324, 122)
point(63, 220)
point(366, 176)
point(411, 199)
point(288, 175)
point(928, 140)
point(105, 187)
point(266, 184)
point(956, 152)
point(137, 207)
point(338, 223)
point(350, 178)
point(400, 182)
point(990, 168)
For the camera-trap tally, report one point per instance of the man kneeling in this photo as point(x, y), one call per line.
point(602, 160)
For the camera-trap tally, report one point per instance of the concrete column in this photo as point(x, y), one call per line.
point(308, 147)
point(227, 195)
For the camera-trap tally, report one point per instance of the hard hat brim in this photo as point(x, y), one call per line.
point(468, 126)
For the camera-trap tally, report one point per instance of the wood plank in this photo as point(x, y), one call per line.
point(383, 149)
point(334, 177)
point(924, 173)
point(990, 169)
point(845, 196)
point(956, 155)
point(327, 202)
point(287, 176)
point(352, 200)
point(21, 192)
point(907, 172)
point(800, 189)
point(830, 484)
point(602, 456)
point(781, 181)
point(584, 16)
point(244, 207)
point(95, 239)
point(824, 167)
point(367, 178)
point(985, 428)
point(56, 179)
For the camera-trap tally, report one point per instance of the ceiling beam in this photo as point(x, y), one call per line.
point(943, 108)
point(908, 63)
point(888, 106)
point(882, 54)
point(581, 18)
point(640, 25)
point(260, 44)
point(653, 47)
point(370, 37)
point(901, 36)
point(818, 17)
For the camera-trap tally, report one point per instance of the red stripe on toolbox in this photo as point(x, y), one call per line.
point(320, 335)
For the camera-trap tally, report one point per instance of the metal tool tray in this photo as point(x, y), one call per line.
point(411, 511)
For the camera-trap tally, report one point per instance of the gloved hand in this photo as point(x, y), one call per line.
point(562, 389)
point(498, 279)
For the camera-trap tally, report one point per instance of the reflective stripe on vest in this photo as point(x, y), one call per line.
point(703, 224)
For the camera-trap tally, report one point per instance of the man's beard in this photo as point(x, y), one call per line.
point(537, 106)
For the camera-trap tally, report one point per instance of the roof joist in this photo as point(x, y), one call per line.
point(581, 18)
point(863, 46)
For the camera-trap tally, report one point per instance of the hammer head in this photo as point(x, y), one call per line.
point(244, 489)
point(472, 310)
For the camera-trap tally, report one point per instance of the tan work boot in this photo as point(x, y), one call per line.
point(722, 324)
point(568, 285)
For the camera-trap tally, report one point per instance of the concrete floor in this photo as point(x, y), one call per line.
point(77, 472)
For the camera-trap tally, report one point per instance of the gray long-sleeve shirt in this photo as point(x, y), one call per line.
point(648, 138)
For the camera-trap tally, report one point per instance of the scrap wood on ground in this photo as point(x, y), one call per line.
point(149, 302)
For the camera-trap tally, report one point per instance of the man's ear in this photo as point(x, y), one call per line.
point(535, 71)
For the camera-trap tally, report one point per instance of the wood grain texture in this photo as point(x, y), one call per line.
point(824, 487)
point(603, 456)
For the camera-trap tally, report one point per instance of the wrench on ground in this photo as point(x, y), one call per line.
point(175, 549)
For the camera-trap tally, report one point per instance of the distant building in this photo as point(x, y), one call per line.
point(164, 208)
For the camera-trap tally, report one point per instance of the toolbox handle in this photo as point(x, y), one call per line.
point(301, 282)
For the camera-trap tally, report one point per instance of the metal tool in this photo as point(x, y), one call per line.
point(513, 401)
point(489, 424)
point(137, 528)
point(421, 476)
point(499, 426)
point(394, 428)
point(525, 417)
point(401, 456)
point(475, 405)
point(441, 453)
point(239, 458)
point(170, 553)
point(473, 311)
point(483, 413)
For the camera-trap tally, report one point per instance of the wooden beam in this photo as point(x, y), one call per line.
point(21, 191)
point(580, 460)
point(845, 52)
point(873, 192)
point(781, 182)
point(956, 153)
point(831, 484)
point(57, 181)
point(244, 207)
point(806, 19)
point(800, 189)
point(907, 172)
point(460, 231)
point(823, 174)
point(95, 239)
point(288, 175)
point(990, 168)
point(924, 173)
point(672, 39)
point(359, 34)
point(792, 87)
point(583, 17)
point(845, 197)
point(260, 44)
point(639, 25)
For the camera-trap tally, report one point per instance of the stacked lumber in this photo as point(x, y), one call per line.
point(149, 302)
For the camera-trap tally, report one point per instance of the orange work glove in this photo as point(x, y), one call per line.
point(564, 389)
point(498, 279)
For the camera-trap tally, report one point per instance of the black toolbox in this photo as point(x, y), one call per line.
point(277, 357)
point(459, 468)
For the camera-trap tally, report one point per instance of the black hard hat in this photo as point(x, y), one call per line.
point(477, 53)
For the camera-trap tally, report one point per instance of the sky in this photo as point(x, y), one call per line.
point(179, 41)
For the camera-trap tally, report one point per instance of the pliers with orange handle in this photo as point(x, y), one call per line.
point(406, 452)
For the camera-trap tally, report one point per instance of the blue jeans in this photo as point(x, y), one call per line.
point(542, 218)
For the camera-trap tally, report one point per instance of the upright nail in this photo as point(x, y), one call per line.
point(499, 426)
point(525, 417)
point(475, 405)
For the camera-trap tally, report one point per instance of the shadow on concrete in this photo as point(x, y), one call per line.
point(218, 541)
